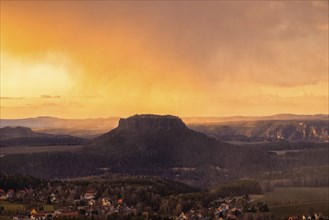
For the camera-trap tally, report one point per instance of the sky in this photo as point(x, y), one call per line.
point(90, 59)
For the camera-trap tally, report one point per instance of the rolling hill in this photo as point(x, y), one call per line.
point(23, 136)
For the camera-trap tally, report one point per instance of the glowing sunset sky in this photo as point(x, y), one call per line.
point(105, 58)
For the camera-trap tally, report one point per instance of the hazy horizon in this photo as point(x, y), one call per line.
point(196, 116)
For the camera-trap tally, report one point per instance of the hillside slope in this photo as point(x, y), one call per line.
point(288, 130)
point(23, 136)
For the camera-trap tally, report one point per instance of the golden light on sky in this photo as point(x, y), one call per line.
point(79, 59)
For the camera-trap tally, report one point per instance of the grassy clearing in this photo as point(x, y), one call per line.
point(12, 207)
point(294, 210)
point(49, 208)
point(296, 195)
point(288, 201)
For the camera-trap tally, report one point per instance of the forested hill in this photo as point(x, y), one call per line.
point(23, 136)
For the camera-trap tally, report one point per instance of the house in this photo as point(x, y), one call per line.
point(10, 193)
point(106, 202)
point(182, 216)
point(230, 216)
point(3, 195)
point(43, 215)
point(90, 194)
point(91, 202)
point(33, 212)
point(20, 194)
point(69, 214)
point(53, 198)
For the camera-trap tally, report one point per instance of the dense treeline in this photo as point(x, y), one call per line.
point(286, 145)
point(19, 181)
point(144, 193)
point(240, 188)
point(51, 165)
point(305, 176)
point(56, 140)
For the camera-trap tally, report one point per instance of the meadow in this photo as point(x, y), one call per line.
point(12, 208)
point(289, 201)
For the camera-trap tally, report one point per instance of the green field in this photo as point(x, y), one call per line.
point(295, 210)
point(288, 201)
point(12, 207)
point(49, 208)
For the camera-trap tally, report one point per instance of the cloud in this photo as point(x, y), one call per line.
point(165, 56)
point(8, 98)
point(50, 97)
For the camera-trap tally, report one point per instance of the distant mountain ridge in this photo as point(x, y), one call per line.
point(24, 136)
point(271, 130)
point(279, 117)
point(88, 128)
point(281, 126)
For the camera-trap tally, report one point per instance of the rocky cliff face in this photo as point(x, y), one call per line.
point(302, 131)
point(293, 131)
point(151, 122)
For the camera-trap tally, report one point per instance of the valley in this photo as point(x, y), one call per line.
point(4, 151)
point(189, 169)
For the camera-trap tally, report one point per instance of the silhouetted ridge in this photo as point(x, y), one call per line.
point(146, 122)
point(14, 136)
point(19, 131)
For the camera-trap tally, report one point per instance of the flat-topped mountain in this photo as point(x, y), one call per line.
point(144, 141)
point(146, 122)
point(14, 136)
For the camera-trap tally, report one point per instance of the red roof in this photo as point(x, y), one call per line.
point(42, 213)
point(69, 214)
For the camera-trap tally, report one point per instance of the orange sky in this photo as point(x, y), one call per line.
point(79, 59)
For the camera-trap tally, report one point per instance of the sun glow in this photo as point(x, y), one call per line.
point(34, 77)
point(99, 59)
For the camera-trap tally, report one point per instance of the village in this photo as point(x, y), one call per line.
point(92, 206)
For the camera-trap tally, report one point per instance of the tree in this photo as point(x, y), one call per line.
point(262, 207)
point(178, 209)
